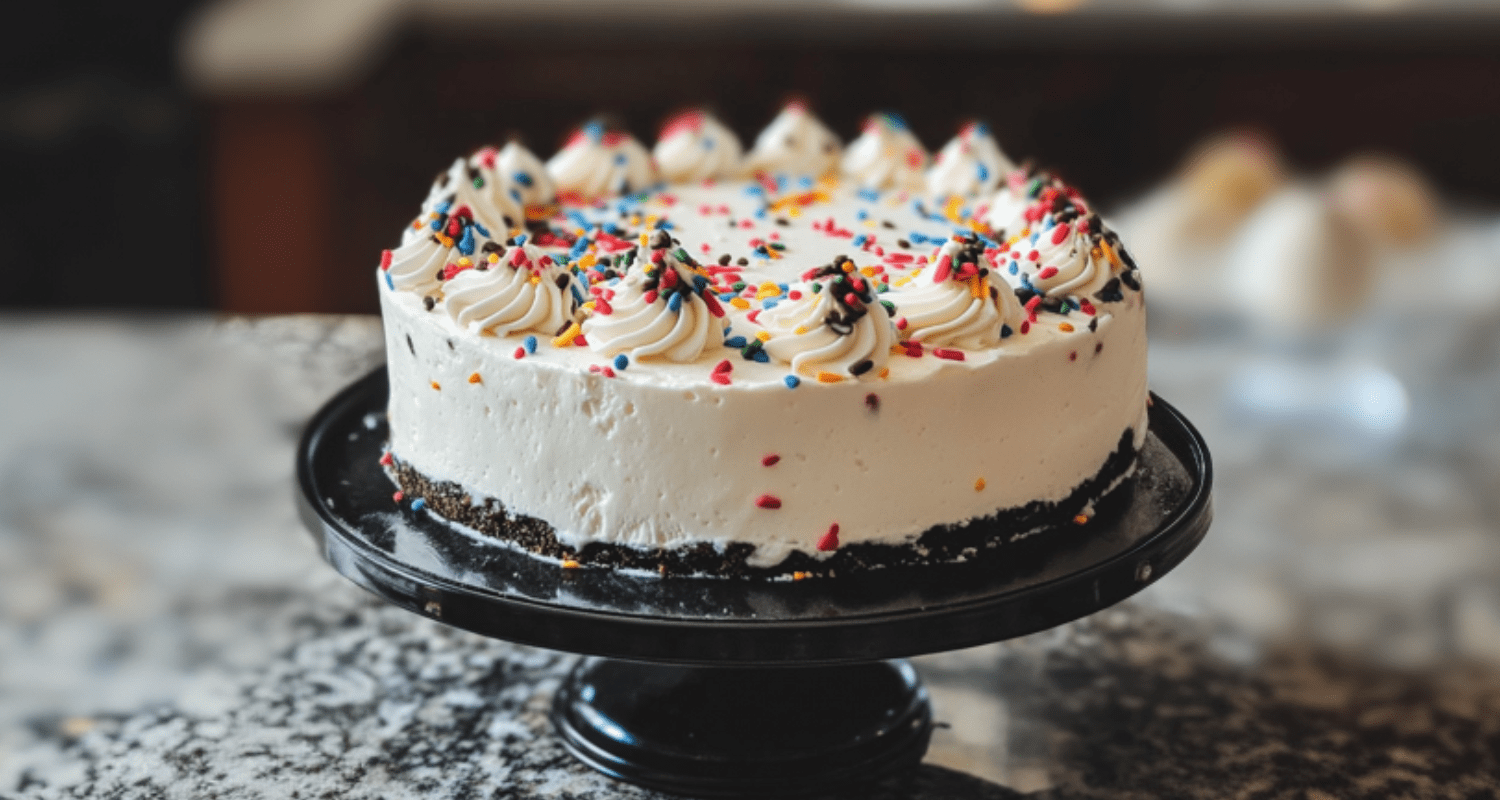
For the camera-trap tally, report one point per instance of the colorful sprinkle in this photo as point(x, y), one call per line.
point(529, 343)
point(622, 361)
point(951, 355)
point(770, 460)
point(474, 378)
point(418, 504)
point(979, 485)
point(398, 496)
point(829, 541)
point(829, 377)
point(768, 501)
point(792, 381)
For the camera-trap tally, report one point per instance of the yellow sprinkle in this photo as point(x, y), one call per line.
point(1081, 519)
point(799, 330)
point(797, 576)
point(651, 220)
point(587, 261)
point(976, 288)
point(979, 485)
point(868, 272)
point(740, 303)
point(645, 240)
point(829, 377)
point(764, 336)
point(463, 261)
point(590, 305)
point(535, 280)
point(566, 339)
point(436, 387)
point(952, 209)
point(1097, 254)
point(494, 258)
point(767, 289)
point(570, 564)
point(1066, 327)
point(885, 372)
point(902, 281)
point(1114, 260)
point(848, 266)
point(474, 378)
point(794, 212)
point(869, 223)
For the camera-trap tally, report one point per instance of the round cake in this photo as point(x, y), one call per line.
point(800, 360)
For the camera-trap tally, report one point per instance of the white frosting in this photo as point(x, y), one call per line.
point(655, 313)
point(694, 147)
point(965, 304)
point(969, 165)
point(466, 184)
point(598, 162)
point(664, 452)
point(841, 328)
point(526, 174)
point(521, 290)
point(886, 155)
point(795, 144)
point(445, 243)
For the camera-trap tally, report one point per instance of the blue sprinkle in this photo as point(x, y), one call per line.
point(869, 194)
point(622, 361)
point(389, 284)
point(783, 287)
point(515, 195)
point(418, 504)
point(858, 240)
point(700, 283)
point(708, 144)
point(1014, 268)
point(726, 296)
point(755, 189)
point(675, 303)
point(791, 381)
point(577, 293)
point(530, 344)
point(664, 225)
point(620, 159)
point(981, 129)
point(520, 240)
point(1005, 331)
point(594, 131)
point(781, 183)
point(523, 178)
point(806, 181)
point(770, 303)
point(466, 244)
point(735, 342)
point(578, 219)
point(1034, 237)
point(760, 213)
point(483, 231)
point(862, 215)
point(760, 356)
point(984, 173)
point(436, 224)
point(443, 207)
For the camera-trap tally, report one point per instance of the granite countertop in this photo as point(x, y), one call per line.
point(168, 630)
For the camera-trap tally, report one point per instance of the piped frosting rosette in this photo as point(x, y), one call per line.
point(508, 291)
point(599, 161)
point(969, 165)
point(1068, 252)
point(832, 322)
point(694, 147)
point(448, 244)
point(662, 308)
point(796, 143)
point(466, 184)
point(521, 171)
point(886, 155)
point(959, 301)
point(1007, 213)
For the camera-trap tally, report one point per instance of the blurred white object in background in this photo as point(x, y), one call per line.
point(1297, 263)
point(1387, 199)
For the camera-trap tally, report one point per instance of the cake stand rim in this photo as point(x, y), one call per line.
point(417, 590)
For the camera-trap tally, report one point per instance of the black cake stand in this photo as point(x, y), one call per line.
point(730, 688)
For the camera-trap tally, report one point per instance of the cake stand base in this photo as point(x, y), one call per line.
point(744, 732)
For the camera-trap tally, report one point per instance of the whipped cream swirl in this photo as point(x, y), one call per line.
point(600, 161)
point(521, 170)
point(448, 244)
point(795, 143)
point(694, 147)
point(1066, 253)
point(832, 321)
point(969, 165)
point(958, 300)
point(887, 155)
point(1008, 210)
point(466, 184)
point(660, 309)
point(522, 289)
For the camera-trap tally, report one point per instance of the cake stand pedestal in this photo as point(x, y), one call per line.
point(734, 688)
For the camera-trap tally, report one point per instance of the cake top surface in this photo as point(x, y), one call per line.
point(801, 259)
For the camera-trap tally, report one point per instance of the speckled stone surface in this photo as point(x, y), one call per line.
point(167, 630)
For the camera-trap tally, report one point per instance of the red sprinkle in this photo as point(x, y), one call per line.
point(794, 295)
point(713, 304)
point(608, 372)
point(830, 540)
point(650, 297)
point(721, 378)
point(385, 259)
point(913, 349)
point(1025, 327)
point(851, 299)
point(520, 353)
point(385, 460)
point(944, 266)
point(752, 315)
point(1060, 233)
point(768, 501)
point(770, 460)
point(1073, 356)
point(1087, 307)
point(1046, 273)
point(1033, 255)
point(398, 496)
point(1035, 301)
point(900, 323)
point(580, 341)
point(951, 355)
point(723, 367)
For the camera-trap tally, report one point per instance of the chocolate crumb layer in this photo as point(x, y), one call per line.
point(939, 544)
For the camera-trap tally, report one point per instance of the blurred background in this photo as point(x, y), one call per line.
point(1311, 187)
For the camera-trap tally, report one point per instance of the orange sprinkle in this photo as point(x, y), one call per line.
point(436, 386)
point(740, 303)
point(1081, 519)
point(1066, 327)
point(885, 372)
point(826, 377)
point(764, 336)
point(797, 576)
point(979, 485)
point(474, 378)
point(570, 564)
